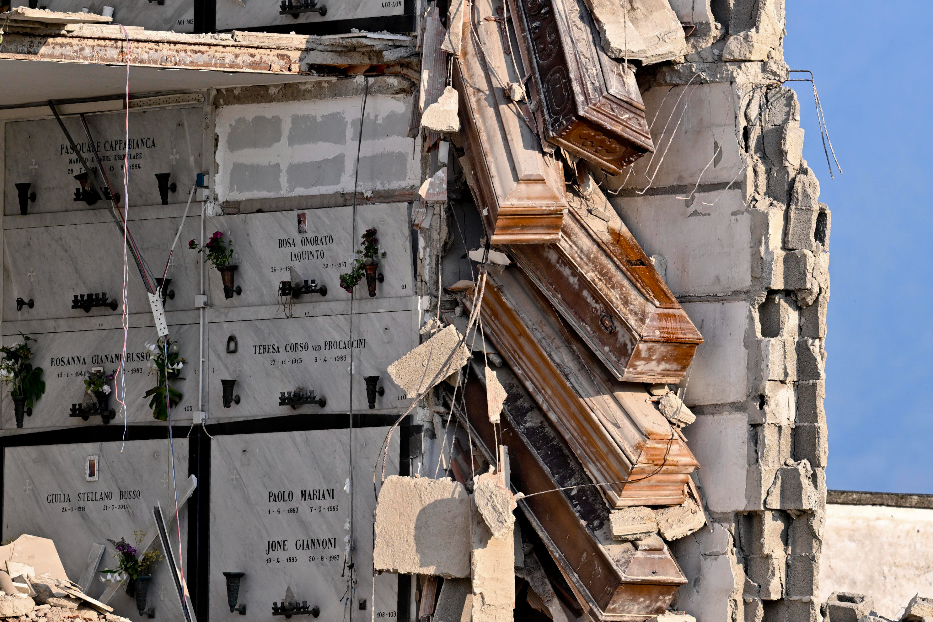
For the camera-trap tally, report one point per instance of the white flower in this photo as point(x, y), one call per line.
point(179, 365)
point(151, 347)
point(106, 389)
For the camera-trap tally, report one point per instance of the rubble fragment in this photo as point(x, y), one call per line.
point(492, 567)
point(644, 30)
point(847, 607)
point(676, 616)
point(918, 610)
point(678, 522)
point(793, 488)
point(494, 503)
point(495, 394)
point(430, 363)
point(15, 605)
point(674, 410)
point(634, 523)
point(37, 553)
point(423, 527)
point(455, 603)
point(442, 115)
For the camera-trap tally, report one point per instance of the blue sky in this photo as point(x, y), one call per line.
point(875, 94)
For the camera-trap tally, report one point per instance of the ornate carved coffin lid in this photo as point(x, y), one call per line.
point(590, 104)
point(605, 286)
point(518, 188)
point(613, 579)
point(615, 431)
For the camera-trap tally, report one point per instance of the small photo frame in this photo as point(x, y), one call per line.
point(92, 469)
point(302, 222)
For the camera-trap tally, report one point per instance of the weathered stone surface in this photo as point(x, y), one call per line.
point(633, 523)
point(455, 603)
point(430, 363)
point(918, 610)
point(495, 504)
point(757, 29)
point(847, 607)
point(492, 572)
point(495, 395)
point(674, 410)
point(13, 606)
point(804, 208)
point(423, 527)
point(441, 116)
point(678, 522)
point(646, 30)
point(793, 488)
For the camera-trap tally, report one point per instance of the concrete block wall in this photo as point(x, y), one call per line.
point(734, 210)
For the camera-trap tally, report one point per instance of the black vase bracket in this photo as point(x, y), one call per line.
point(297, 7)
point(167, 294)
point(233, 592)
point(229, 280)
point(25, 197)
point(165, 187)
point(288, 289)
point(86, 302)
point(88, 194)
point(20, 410)
point(20, 303)
point(300, 397)
point(142, 595)
point(373, 277)
point(228, 396)
point(86, 412)
point(372, 390)
point(294, 609)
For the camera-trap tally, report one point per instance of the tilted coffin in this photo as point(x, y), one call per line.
point(588, 103)
point(613, 580)
point(518, 188)
point(601, 281)
point(613, 428)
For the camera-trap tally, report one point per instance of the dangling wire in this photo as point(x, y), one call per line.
point(821, 119)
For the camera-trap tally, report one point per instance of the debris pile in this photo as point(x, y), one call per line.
point(845, 606)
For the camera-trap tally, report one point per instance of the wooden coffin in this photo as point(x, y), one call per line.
point(613, 428)
point(518, 188)
point(605, 286)
point(588, 103)
point(612, 580)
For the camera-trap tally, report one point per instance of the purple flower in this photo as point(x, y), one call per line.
point(192, 244)
point(217, 235)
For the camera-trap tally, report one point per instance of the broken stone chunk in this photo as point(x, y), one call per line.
point(495, 504)
point(423, 527)
point(793, 489)
point(658, 389)
point(676, 616)
point(675, 411)
point(455, 604)
point(14, 606)
point(632, 523)
point(65, 602)
point(647, 30)
point(847, 607)
point(492, 571)
point(918, 610)
point(430, 363)
point(680, 521)
point(495, 395)
point(650, 543)
point(442, 115)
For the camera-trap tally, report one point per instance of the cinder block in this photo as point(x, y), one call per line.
point(804, 536)
point(801, 610)
point(769, 572)
point(777, 404)
point(774, 445)
point(778, 316)
point(719, 443)
point(754, 610)
point(810, 397)
point(764, 533)
point(813, 317)
point(793, 489)
point(778, 359)
point(810, 359)
point(719, 373)
point(802, 212)
point(823, 226)
point(803, 576)
point(918, 609)
point(811, 443)
point(847, 607)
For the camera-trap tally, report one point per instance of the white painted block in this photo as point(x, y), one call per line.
point(720, 444)
point(705, 239)
point(719, 372)
point(711, 582)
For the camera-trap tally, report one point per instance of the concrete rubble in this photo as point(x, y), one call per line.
point(632, 523)
point(495, 504)
point(431, 362)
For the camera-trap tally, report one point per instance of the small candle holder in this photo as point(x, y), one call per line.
point(299, 397)
point(93, 301)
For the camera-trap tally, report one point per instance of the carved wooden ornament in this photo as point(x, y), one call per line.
point(618, 435)
point(518, 188)
point(587, 103)
point(606, 287)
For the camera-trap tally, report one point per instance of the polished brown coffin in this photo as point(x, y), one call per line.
point(612, 580)
point(588, 103)
point(612, 427)
point(605, 286)
point(518, 188)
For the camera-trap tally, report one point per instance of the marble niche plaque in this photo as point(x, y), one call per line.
point(232, 15)
point(312, 354)
point(312, 245)
point(161, 141)
point(48, 492)
point(50, 265)
point(66, 359)
point(172, 15)
point(288, 494)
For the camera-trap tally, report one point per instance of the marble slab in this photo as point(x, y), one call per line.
point(49, 265)
point(292, 511)
point(231, 14)
point(47, 493)
point(66, 358)
point(173, 15)
point(312, 244)
point(312, 353)
point(161, 141)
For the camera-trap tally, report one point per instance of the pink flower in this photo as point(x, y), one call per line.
point(217, 235)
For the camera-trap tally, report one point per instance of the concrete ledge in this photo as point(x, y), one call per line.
point(889, 499)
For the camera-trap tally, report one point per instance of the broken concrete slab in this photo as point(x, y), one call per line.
point(38, 553)
point(423, 527)
point(676, 616)
point(674, 410)
point(644, 30)
point(495, 503)
point(495, 395)
point(15, 606)
point(430, 363)
point(442, 115)
point(681, 521)
point(634, 523)
point(492, 573)
point(454, 36)
point(455, 603)
point(918, 610)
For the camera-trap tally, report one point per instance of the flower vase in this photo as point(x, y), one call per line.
point(20, 410)
point(103, 401)
point(226, 276)
point(130, 587)
point(142, 591)
point(371, 278)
